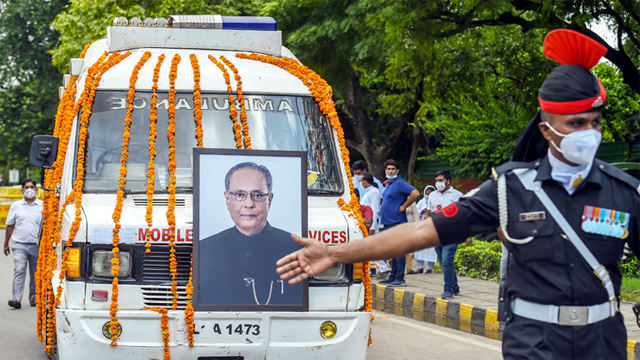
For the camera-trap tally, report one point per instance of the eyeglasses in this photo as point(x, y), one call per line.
point(256, 196)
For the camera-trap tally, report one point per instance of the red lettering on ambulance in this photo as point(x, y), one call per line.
point(142, 234)
point(324, 237)
point(189, 237)
point(343, 236)
point(155, 234)
point(165, 235)
point(334, 237)
point(178, 238)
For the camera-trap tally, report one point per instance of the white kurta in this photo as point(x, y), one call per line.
point(428, 254)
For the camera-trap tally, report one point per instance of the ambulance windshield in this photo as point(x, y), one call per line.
point(275, 123)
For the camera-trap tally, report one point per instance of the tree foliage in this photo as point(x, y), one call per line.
point(28, 80)
point(85, 21)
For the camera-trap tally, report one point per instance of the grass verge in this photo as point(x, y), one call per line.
point(630, 290)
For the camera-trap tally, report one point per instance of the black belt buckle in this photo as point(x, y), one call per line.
point(636, 311)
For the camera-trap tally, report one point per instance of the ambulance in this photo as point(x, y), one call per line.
point(281, 114)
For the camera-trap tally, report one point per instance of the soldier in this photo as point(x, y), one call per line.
point(566, 217)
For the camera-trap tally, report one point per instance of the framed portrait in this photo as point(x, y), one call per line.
point(246, 205)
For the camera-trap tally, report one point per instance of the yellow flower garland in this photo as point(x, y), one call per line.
point(153, 133)
point(243, 110)
point(233, 113)
point(171, 216)
point(117, 212)
point(164, 326)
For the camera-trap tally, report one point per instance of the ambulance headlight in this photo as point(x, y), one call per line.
point(336, 272)
point(101, 263)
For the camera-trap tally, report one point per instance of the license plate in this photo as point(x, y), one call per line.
point(229, 331)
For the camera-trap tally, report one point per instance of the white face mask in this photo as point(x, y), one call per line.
point(579, 147)
point(29, 193)
point(357, 177)
point(391, 177)
point(441, 186)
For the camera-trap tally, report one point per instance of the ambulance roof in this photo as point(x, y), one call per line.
point(257, 77)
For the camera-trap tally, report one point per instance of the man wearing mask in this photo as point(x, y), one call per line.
point(444, 196)
point(398, 196)
point(23, 226)
point(359, 168)
point(565, 215)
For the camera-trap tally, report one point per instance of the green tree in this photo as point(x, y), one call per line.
point(28, 82)
point(344, 42)
point(425, 21)
point(85, 21)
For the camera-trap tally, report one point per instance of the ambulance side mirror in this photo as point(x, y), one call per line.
point(44, 150)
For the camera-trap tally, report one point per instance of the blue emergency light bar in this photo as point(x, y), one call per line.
point(265, 23)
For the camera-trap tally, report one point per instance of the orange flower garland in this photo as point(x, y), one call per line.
point(233, 113)
point(243, 110)
point(91, 83)
point(171, 216)
point(197, 115)
point(323, 94)
point(117, 212)
point(197, 100)
point(153, 133)
point(164, 319)
point(188, 311)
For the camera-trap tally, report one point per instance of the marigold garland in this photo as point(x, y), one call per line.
point(188, 311)
point(323, 94)
point(153, 133)
point(164, 320)
point(117, 212)
point(243, 110)
point(233, 113)
point(171, 216)
point(197, 99)
point(197, 116)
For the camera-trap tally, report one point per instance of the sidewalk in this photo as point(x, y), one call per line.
point(473, 310)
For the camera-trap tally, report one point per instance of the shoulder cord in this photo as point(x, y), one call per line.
point(255, 296)
point(502, 211)
point(527, 178)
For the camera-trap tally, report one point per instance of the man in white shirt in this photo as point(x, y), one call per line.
point(23, 226)
point(444, 196)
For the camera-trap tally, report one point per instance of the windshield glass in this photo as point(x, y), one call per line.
point(275, 123)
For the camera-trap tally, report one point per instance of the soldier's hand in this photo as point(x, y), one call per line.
point(7, 251)
point(312, 259)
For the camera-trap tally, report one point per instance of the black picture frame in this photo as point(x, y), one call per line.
point(223, 261)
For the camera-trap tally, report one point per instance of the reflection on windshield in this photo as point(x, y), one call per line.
point(275, 123)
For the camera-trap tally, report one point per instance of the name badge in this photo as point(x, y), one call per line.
point(606, 222)
point(532, 216)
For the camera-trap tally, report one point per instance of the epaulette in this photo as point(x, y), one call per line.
point(506, 167)
point(618, 174)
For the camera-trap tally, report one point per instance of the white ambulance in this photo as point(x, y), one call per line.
point(282, 115)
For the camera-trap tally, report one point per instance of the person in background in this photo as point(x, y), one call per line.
point(440, 199)
point(398, 196)
point(427, 255)
point(413, 215)
point(372, 199)
point(359, 168)
point(23, 226)
point(2, 182)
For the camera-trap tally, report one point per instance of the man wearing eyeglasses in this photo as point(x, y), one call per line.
point(243, 256)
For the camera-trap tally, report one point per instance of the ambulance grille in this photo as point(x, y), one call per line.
point(155, 265)
point(158, 202)
point(160, 295)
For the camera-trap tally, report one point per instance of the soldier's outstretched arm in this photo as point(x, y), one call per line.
point(315, 257)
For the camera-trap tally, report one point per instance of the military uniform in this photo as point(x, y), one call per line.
point(549, 269)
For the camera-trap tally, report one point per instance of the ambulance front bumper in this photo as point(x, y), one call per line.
point(248, 335)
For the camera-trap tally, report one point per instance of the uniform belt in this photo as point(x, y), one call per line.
point(562, 315)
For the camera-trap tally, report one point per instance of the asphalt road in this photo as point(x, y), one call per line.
point(394, 337)
point(399, 338)
point(18, 339)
